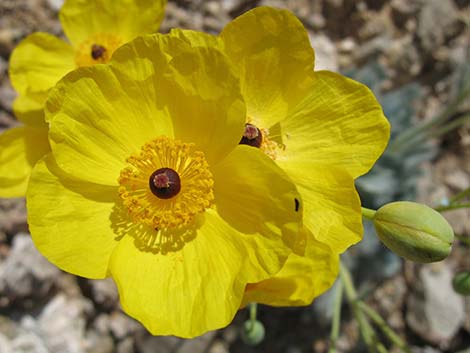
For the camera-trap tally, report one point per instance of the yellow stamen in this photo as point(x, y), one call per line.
point(196, 192)
point(97, 49)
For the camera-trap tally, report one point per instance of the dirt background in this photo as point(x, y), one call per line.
point(413, 54)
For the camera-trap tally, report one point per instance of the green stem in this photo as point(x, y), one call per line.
point(452, 207)
point(387, 331)
point(367, 333)
point(459, 196)
point(336, 317)
point(436, 132)
point(381, 348)
point(464, 239)
point(253, 312)
point(451, 125)
point(368, 213)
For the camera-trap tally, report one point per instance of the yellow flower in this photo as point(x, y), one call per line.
point(321, 128)
point(147, 183)
point(95, 29)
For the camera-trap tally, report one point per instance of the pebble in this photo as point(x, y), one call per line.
point(55, 4)
point(435, 311)
point(122, 325)
point(325, 53)
point(25, 272)
point(104, 293)
point(436, 19)
point(7, 95)
point(197, 345)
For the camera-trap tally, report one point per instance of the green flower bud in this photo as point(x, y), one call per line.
point(414, 231)
point(252, 332)
point(461, 283)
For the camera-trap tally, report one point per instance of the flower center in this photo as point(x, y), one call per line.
point(97, 49)
point(166, 184)
point(262, 139)
point(252, 136)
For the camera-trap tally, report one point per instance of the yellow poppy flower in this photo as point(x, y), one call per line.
point(321, 128)
point(147, 183)
point(95, 28)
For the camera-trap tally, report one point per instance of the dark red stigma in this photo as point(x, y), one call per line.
point(165, 183)
point(252, 136)
point(97, 51)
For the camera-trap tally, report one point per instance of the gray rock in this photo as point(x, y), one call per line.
point(372, 48)
point(125, 346)
point(403, 10)
point(145, 343)
point(25, 272)
point(122, 326)
point(55, 4)
point(322, 307)
point(325, 52)
point(435, 311)
point(96, 343)
point(466, 324)
point(436, 19)
point(104, 292)
point(8, 328)
point(5, 346)
point(7, 95)
point(28, 342)
point(219, 346)
point(61, 324)
point(12, 211)
point(16, 338)
point(197, 345)
point(404, 57)
point(229, 5)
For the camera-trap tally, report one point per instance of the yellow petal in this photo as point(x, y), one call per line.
point(332, 208)
point(70, 221)
point(272, 52)
point(98, 119)
point(255, 196)
point(195, 83)
point(198, 39)
point(191, 290)
point(29, 109)
point(20, 149)
point(302, 278)
point(38, 62)
point(339, 122)
point(100, 115)
point(156, 51)
point(125, 18)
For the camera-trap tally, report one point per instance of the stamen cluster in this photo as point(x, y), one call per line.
point(196, 193)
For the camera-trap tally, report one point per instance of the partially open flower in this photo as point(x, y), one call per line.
point(147, 183)
point(95, 29)
point(414, 231)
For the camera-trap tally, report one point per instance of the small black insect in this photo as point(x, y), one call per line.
point(297, 205)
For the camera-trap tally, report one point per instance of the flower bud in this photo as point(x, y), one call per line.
point(252, 332)
point(461, 283)
point(414, 231)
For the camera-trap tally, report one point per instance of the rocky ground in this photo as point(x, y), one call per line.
point(413, 54)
